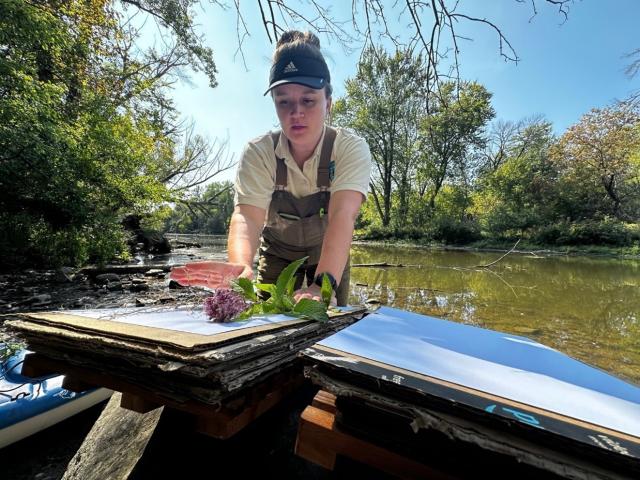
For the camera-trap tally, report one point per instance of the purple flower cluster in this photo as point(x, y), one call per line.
point(224, 305)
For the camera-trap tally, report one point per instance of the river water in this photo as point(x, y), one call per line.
point(587, 307)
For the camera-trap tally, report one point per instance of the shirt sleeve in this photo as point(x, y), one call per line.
point(255, 177)
point(352, 164)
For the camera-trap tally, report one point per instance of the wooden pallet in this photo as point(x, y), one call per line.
point(218, 422)
point(321, 442)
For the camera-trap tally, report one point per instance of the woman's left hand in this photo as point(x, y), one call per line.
point(312, 292)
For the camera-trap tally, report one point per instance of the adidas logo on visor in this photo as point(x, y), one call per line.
point(290, 68)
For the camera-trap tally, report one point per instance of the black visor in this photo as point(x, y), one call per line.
point(302, 70)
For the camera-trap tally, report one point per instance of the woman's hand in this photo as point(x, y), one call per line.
point(247, 272)
point(210, 274)
point(313, 292)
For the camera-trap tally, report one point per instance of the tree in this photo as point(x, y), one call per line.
point(383, 103)
point(454, 126)
point(500, 140)
point(602, 148)
point(87, 132)
point(208, 211)
point(520, 193)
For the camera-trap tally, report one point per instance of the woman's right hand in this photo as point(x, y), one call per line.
point(247, 272)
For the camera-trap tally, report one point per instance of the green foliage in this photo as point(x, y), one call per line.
point(208, 211)
point(245, 287)
point(607, 231)
point(7, 350)
point(383, 103)
point(311, 309)
point(421, 141)
point(441, 229)
point(455, 232)
point(378, 232)
point(521, 192)
point(326, 290)
point(281, 296)
point(439, 179)
point(285, 283)
point(86, 132)
point(601, 151)
point(449, 133)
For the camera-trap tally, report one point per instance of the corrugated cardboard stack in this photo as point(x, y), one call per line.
point(175, 353)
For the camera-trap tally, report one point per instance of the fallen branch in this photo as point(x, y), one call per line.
point(496, 261)
point(382, 264)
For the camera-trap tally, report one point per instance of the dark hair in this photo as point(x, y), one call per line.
point(294, 42)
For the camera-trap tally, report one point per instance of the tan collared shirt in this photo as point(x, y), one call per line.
point(256, 175)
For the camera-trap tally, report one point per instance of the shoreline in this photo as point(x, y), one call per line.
point(537, 250)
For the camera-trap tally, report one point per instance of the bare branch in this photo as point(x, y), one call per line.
point(264, 21)
point(563, 7)
point(199, 162)
point(242, 32)
point(512, 56)
point(634, 67)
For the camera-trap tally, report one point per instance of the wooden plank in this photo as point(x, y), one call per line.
point(325, 401)
point(221, 422)
point(137, 403)
point(36, 366)
point(315, 439)
point(320, 441)
point(115, 444)
point(227, 423)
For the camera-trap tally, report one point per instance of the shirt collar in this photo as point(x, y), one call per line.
point(282, 150)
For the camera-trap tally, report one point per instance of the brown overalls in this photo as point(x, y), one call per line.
point(295, 227)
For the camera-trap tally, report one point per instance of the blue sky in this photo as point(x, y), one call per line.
point(565, 68)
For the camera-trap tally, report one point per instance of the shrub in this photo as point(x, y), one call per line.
point(588, 232)
point(448, 230)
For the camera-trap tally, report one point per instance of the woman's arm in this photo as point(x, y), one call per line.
point(246, 225)
point(343, 211)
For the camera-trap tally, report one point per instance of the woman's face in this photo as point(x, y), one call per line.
point(302, 111)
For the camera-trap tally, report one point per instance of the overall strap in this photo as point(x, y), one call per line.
point(281, 168)
point(325, 158)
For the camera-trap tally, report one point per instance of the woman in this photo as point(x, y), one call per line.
point(302, 187)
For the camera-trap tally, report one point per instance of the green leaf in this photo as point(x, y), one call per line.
point(311, 309)
point(270, 288)
point(287, 302)
point(291, 285)
point(244, 286)
point(326, 291)
point(269, 308)
point(255, 309)
point(285, 277)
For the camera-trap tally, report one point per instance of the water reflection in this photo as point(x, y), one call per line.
point(586, 307)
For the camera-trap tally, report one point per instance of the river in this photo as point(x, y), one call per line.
point(587, 307)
